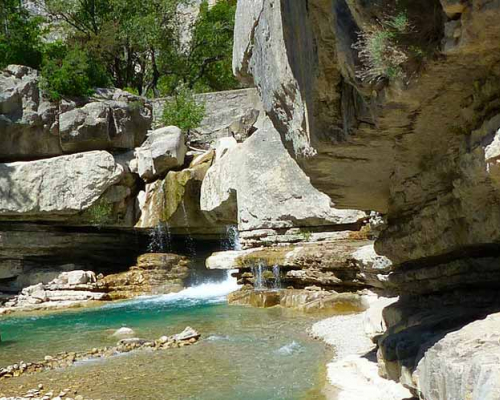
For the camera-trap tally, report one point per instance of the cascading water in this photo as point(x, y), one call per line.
point(258, 275)
point(189, 239)
point(160, 241)
point(266, 278)
point(277, 277)
point(232, 238)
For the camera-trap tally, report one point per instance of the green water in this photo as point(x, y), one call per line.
point(245, 353)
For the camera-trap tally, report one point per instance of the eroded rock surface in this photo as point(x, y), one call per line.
point(155, 273)
point(260, 181)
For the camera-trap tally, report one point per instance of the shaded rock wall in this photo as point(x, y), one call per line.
point(420, 148)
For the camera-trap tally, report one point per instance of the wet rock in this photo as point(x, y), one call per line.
point(186, 334)
point(338, 264)
point(155, 273)
point(124, 332)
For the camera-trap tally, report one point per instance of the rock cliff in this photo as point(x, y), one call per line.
point(416, 141)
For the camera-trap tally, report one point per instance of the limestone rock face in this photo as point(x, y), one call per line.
point(33, 127)
point(232, 113)
point(329, 265)
point(62, 185)
point(103, 125)
point(267, 188)
point(422, 150)
point(464, 364)
point(368, 146)
point(164, 149)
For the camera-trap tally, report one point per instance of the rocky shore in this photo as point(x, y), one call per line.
point(353, 373)
point(63, 360)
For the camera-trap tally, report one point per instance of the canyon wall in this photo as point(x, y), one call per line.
point(419, 145)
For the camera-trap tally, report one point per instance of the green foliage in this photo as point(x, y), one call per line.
point(20, 35)
point(137, 45)
point(70, 73)
point(399, 22)
point(306, 235)
point(100, 213)
point(204, 63)
point(131, 90)
point(379, 49)
point(183, 111)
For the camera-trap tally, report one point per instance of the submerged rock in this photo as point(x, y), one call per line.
point(186, 334)
point(302, 300)
point(124, 332)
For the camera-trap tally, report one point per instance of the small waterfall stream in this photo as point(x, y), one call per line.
point(159, 239)
point(189, 239)
point(266, 278)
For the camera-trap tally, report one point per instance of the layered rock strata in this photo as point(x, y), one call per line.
point(339, 265)
point(419, 146)
point(155, 273)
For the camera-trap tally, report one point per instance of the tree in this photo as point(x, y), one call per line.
point(206, 64)
point(20, 35)
point(123, 35)
point(183, 111)
point(70, 72)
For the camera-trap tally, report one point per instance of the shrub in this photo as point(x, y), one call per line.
point(379, 50)
point(20, 35)
point(70, 73)
point(183, 111)
point(100, 213)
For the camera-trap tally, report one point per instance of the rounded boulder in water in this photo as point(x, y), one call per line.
point(124, 332)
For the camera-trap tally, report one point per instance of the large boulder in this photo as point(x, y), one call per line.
point(104, 125)
point(28, 127)
point(163, 150)
point(175, 200)
point(58, 186)
point(32, 127)
point(464, 364)
point(258, 185)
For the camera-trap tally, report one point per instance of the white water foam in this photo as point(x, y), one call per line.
point(289, 349)
point(209, 292)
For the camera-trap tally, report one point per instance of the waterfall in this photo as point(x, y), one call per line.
point(159, 239)
point(266, 278)
point(258, 275)
point(189, 239)
point(231, 241)
point(277, 276)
